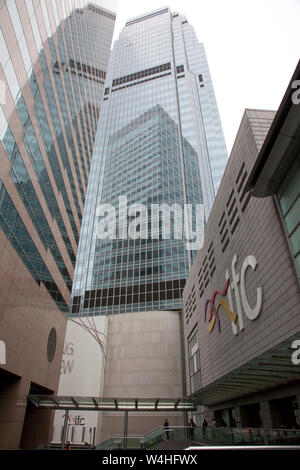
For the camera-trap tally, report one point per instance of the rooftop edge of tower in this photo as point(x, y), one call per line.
point(148, 15)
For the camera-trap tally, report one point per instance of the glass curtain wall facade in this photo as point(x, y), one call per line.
point(162, 143)
point(54, 57)
point(288, 195)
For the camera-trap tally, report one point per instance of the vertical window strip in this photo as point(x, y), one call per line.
point(17, 25)
point(9, 70)
point(55, 12)
point(87, 90)
point(74, 96)
point(46, 18)
point(34, 25)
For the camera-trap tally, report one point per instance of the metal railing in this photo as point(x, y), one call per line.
point(247, 436)
point(208, 437)
point(147, 441)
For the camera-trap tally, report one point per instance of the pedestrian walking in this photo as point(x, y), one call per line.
point(192, 425)
point(166, 428)
point(204, 426)
point(68, 445)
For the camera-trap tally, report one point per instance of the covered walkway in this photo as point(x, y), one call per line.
point(68, 403)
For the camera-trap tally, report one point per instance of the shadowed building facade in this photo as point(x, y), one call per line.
point(241, 300)
point(54, 57)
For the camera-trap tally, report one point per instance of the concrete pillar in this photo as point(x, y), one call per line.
point(266, 415)
point(207, 413)
point(65, 431)
point(297, 410)
point(13, 402)
point(125, 429)
point(237, 416)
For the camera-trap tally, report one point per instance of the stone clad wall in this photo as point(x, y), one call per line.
point(143, 360)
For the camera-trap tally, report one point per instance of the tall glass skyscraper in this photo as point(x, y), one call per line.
point(54, 56)
point(162, 143)
point(54, 81)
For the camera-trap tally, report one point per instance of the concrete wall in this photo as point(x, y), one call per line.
point(242, 226)
point(25, 328)
point(144, 360)
point(82, 374)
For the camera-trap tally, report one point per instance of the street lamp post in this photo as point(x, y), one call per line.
point(65, 430)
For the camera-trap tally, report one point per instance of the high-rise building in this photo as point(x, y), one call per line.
point(161, 143)
point(158, 159)
point(54, 57)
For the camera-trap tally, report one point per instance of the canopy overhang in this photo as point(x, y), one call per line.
point(114, 404)
point(271, 369)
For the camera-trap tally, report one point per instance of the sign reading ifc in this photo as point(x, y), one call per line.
point(237, 285)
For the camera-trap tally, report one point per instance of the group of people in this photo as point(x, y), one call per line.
point(192, 426)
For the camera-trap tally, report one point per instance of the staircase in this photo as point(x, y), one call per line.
point(173, 445)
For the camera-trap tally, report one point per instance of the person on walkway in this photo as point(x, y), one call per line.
point(192, 425)
point(213, 425)
point(204, 426)
point(68, 445)
point(166, 428)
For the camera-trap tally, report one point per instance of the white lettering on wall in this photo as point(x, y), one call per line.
point(240, 293)
point(252, 314)
point(67, 366)
point(68, 361)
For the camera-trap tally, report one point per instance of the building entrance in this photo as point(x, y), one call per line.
point(250, 415)
point(282, 412)
point(9, 384)
point(36, 427)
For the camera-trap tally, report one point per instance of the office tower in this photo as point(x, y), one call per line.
point(54, 57)
point(162, 143)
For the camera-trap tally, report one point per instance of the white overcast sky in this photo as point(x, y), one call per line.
point(252, 48)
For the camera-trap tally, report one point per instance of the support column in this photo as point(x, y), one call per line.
point(13, 404)
point(237, 416)
point(125, 429)
point(64, 436)
point(186, 424)
point(297, 410)
point(266, 415)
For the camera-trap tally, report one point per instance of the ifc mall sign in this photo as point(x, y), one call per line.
point(235, 284)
